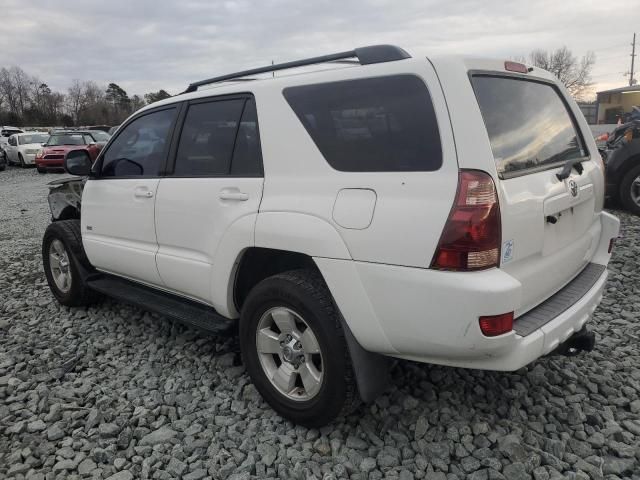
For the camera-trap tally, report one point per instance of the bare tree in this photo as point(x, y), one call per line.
point(76, 99)
point(574, 73)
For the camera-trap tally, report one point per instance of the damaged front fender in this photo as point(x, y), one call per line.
point(65, 198)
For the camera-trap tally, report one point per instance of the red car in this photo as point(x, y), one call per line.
point(60, 143)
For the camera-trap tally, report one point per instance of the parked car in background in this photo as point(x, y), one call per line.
point(99, 136)
point(102, 128)
point(622, 161)
point(5, 133)
point(62, 142)
point(21, 148)
point(113, 129)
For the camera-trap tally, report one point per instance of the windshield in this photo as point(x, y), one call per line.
point(33, 138)
point(529, 126)
point(66, 139)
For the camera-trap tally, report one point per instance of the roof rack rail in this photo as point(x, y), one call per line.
point(365, 55)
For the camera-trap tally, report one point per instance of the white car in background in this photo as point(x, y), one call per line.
point(5, 133)
point(21, 148)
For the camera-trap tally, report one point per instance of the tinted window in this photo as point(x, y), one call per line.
point(528, 124)
point(371, 125)
point(141, 147)
point(247, 157)
point(220, 138)
point(207, 138)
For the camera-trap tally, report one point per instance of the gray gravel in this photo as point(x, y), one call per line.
point(115, 392)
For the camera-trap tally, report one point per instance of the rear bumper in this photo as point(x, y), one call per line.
point(432, 316)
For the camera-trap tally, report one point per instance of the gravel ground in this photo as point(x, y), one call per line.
point(115, 392)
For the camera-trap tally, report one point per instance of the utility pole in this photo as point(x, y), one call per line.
point(633, 57)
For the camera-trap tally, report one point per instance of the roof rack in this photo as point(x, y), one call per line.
point(365, 55)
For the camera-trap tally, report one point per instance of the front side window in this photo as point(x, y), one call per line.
point(382, 124)
point(219, 138)
point(529, 126)
point(141, 147)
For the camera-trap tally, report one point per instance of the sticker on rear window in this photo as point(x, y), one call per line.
point(507, 251)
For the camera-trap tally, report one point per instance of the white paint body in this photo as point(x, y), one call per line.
point(372, 235)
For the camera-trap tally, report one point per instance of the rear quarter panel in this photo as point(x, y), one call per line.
point(411, 208)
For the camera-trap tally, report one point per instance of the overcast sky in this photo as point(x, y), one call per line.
point(145, 45)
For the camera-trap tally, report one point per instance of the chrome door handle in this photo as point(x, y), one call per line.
point(237, 196)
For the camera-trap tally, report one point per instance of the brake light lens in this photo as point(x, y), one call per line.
point(472, 235)
point(494, 325)
point(516, 67)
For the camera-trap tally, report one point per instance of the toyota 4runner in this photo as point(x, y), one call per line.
point(442, 210)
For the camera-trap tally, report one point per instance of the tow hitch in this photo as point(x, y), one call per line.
point(582, 341)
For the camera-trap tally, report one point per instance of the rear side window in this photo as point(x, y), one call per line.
point(382, 124)
point(529, 126)
point(219, 138)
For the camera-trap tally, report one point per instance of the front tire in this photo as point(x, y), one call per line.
point(62, 258)
point(294, 349)
point(630, 190)
point(21, 161)
point(41, 170)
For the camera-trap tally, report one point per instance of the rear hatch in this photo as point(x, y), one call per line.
point(550, 227)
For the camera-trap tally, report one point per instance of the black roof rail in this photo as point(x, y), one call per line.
point(365, 55)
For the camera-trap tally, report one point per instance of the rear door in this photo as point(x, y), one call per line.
point(550, 227)
point(118, 204)
point(215, 180)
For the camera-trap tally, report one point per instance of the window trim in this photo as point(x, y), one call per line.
point(173, 152)
point(544, 81)
point(96, 169)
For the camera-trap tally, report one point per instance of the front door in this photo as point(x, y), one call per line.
point(118, 204)
point(216, 179)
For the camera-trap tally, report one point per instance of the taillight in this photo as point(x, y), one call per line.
point(494, 325)
point(472, 235)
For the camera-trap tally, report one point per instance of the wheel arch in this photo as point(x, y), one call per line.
point(257, 263)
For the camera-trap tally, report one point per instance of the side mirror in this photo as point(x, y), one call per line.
point(78, 162)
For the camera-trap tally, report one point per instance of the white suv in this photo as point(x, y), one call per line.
point(443, 210)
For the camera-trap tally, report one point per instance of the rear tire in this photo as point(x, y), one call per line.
point(62, 257)
point(630, 190)
point(310, 381)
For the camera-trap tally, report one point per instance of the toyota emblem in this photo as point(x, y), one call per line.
point(573, 188)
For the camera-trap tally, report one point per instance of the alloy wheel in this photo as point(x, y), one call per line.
point(289, 354)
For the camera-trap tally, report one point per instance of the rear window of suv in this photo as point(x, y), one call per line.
point(381, 124)
point(529, 126)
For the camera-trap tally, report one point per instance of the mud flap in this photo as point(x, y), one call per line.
point(371, 369)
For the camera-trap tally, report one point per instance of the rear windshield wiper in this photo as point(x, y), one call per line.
point(568, 166)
